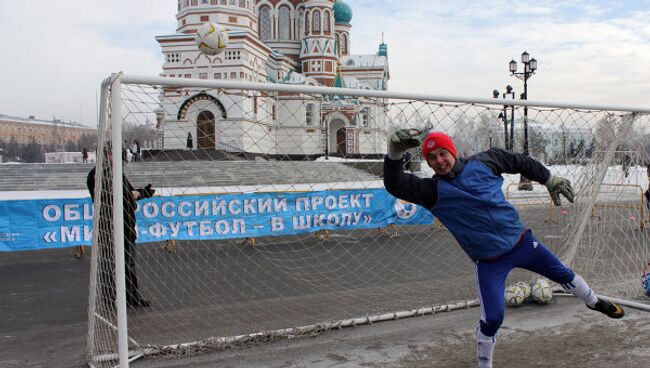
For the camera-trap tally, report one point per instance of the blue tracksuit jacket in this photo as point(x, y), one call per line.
point(469, 200)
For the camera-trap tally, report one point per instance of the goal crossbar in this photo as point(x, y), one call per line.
point(336, 91)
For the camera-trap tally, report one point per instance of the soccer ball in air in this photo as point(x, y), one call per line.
point(514, 296)
point(525, 287)
point(211, 39)
point(541, 291)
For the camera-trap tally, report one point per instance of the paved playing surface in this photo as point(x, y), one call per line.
point(44, 301)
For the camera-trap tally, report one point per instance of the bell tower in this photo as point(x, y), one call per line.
point(318, 49)
point(342, 26)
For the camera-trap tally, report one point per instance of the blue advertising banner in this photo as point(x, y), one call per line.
point(58, 223)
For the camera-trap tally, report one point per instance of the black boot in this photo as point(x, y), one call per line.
point(611, 309)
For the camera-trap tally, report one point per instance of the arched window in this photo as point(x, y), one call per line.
point(326, 22)
point(306, 23)
point(284, 23)
point(265, 23)
point(337, 42)
point(298, 24)
point(315, 21)
point(344, 44)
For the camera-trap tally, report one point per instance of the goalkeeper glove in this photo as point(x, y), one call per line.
point(147, 192)
point(401, 140)
point(557, 185)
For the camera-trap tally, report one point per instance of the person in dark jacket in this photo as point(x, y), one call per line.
point(84, 155)
point(104, 242)
point(466, 196)
point(189, 142)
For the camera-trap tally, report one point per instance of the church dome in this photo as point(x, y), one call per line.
point(342, 12)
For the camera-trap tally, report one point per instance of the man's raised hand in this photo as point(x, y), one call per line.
point(401, 140)
point(557, 185)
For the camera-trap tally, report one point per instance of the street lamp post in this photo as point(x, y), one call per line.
point(504, 115)
point(530, 66)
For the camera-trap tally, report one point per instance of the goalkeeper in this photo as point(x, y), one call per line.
point(466, 196)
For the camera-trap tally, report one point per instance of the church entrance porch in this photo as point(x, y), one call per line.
point(336, 132)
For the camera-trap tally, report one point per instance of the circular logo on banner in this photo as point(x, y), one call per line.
point(404, 209)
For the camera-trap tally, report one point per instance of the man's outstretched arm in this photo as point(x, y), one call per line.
point(403, 185)
point(501, 161)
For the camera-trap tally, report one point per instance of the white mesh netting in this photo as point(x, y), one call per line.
point(270, 214)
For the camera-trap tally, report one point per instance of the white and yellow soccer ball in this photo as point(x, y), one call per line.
point(541, 291)
point(211, 38)
point(526, 288)
point(514, 296)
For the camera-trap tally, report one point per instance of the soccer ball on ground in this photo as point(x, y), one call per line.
point(211, 39)
point(514, 296)
point(525, 287)
point(541, 291)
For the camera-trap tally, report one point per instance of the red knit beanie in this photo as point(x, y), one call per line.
point(437, 140)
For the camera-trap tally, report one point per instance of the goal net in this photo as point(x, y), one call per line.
point(270, 218)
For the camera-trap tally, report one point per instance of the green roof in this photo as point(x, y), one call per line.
point(342, 12)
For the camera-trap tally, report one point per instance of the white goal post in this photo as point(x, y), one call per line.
point(270, 218)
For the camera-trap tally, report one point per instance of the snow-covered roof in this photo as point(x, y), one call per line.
point(555, 127)
point(352, 82)
point(363, 61)
point(294, 78)
point(33, 120)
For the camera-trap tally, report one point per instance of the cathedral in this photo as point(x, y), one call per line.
point(289, 42)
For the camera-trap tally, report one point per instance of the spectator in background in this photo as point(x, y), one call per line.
point(134, 151)
point(104, 241)
point(190, 144)
point(84, 155)
point(137, 149)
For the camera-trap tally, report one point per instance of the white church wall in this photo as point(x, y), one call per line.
point(312, 143)
point(294, 135)
point(369, 142)
point(290, 139)
point(258, 138)
point(175, 134)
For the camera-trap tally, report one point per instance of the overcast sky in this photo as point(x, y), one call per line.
point(55, 53)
